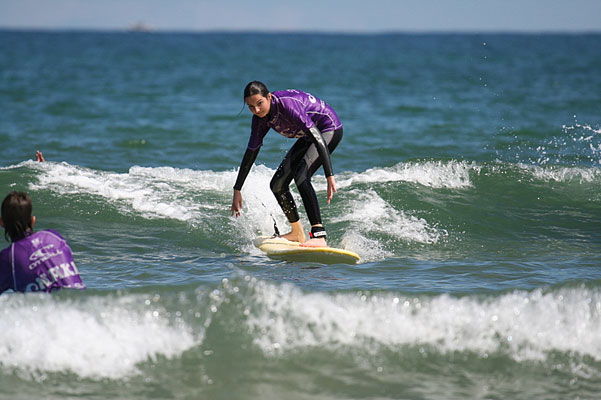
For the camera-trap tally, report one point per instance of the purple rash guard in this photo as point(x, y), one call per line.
point(293, 113)
point(41, 261)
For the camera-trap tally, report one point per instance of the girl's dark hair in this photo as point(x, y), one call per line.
point(255, 87)
point(16, 214)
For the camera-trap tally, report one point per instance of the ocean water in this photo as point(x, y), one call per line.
point(469, 183)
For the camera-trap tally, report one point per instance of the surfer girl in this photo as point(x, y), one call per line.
point(34, 261)
point(297, 115)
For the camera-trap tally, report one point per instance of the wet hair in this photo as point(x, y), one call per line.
point(16, 214)
point(255, 87)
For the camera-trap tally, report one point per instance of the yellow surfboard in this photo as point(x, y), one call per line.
point(283, 249)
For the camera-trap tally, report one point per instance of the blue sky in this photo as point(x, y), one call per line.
point(307, 15)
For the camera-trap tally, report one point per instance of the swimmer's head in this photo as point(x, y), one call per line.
point(255, 87)
point(257, 98)
point(17, 218)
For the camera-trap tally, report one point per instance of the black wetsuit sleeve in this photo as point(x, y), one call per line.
point(322, 149)
point(247, 162)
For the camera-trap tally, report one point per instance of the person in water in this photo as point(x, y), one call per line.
point(35, 261)
point(39, 157)
point(315, 125)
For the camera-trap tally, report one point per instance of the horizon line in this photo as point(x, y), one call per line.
point(152, 30)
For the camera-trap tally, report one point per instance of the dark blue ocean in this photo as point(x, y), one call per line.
point(469, 183)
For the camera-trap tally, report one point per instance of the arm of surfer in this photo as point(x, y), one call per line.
point(237, 203)
point(247, 161)
point(324, 155)
point(331, 187)
point(322, 150)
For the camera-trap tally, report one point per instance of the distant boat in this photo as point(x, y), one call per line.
point(140, 26)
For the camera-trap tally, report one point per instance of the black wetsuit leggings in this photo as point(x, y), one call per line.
point(301, 162)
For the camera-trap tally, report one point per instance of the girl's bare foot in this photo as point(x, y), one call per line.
point(315, 242)
point(297, 234)
point(294, 237)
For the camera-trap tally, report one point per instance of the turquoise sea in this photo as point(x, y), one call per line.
point(469, 183)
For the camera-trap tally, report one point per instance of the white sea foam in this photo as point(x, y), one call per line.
point(562, 174)
point(260, 208)
point(180, 194)
point(370, 214)
point(94, 338)
point(153, 192)
point(435, 174)
point(366, 212)
point(523, 325)
point(162, 192)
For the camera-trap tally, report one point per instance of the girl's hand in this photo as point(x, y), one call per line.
point(237, 203)
point(331, 187)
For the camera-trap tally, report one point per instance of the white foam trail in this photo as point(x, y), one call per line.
point(367, 213)
point(153, 192)
point(96, 338)
point(181, 194)
point(435, 174)
point(19, 165)
point(260, 208)
point(166, 192)
point(523, 325)
point(371, 214)
point(561, 174)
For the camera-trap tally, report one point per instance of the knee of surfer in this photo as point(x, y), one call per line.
point(301, 178)
point(277, 186)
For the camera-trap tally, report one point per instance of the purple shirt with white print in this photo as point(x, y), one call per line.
point(41, 261)
point(292, 114)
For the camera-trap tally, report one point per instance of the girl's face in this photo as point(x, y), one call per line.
point(259, 104)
